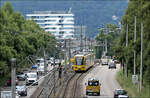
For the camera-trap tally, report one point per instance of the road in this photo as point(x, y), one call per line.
point(107, 79)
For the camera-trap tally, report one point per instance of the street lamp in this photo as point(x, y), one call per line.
point(13, 77)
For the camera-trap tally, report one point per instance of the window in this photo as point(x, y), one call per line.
point(46, 16)
point(33, 16)
point(60, 16)
point(93, 83)
point(79, 60)
point(32, 75)
point(68, 16)
point(39, 21)
point(42, 25)
point(50, 20)
point(41, 17)
point(121, 92)
point(53, 28)
point(46, 28)
point(62, 32)
point(61, 20)
point(71, 20)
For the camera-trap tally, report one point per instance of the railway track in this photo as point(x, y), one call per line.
point(70, 86)
point(47, 87)
point(42, 89)
point(73, 86)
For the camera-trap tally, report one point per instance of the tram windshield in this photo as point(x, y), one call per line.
point(93, 83)
point(79, 60)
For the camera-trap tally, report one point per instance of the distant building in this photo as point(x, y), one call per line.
point(59, 23)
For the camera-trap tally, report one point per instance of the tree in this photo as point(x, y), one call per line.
point(140, 9)
point(20, 38)
point(111, 33)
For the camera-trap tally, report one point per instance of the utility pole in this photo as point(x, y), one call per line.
point(104, 48)
point(69, 52)
point(65, 55)
point(85, 43)
point(81, 39)
point(54, 77)
point(54, 70)
point(141, 66)
point(127, 36)
point(105, 45)
point(54, 92)
point(44, 62)
point(122, 59)
point(135, 44)
point(127, 46)
point(13, 77)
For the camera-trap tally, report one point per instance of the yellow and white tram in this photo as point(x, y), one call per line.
point(83, 61)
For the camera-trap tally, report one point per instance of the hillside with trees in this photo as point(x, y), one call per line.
point(92, 13)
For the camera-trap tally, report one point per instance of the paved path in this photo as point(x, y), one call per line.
point(107, 80)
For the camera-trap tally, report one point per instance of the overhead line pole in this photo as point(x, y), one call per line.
point(141, 66)
point(44, 62)
point(127, 46)
point(135, 44)
point(81, 39)
point(13, 77)
point(69, 52)
point(105, 45)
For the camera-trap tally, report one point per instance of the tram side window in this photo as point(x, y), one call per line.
point(87, 61)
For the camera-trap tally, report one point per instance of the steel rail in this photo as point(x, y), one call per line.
point(76, 81)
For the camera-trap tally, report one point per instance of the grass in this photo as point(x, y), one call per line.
point(133, 90)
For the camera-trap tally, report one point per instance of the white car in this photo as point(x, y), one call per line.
point(40, 69)
point(104, 61)
point(8, 94)
point(32, 78)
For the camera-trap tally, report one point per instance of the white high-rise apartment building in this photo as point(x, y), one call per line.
point(59, 23)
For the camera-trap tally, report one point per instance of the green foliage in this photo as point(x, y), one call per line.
point(20, 38)
point(140, 9)
point(111, 33)
point(132, 90)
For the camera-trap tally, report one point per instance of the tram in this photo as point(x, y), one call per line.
point(83, 61)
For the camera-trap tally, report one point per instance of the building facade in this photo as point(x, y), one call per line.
point(59, 23)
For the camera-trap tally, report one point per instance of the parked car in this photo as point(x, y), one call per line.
point(116, 61)
point(40, 60)
point(34, 66)
point(21, 76)
point(119, 92)
point(40, 70)
point(21, 90)
point(9, 82)
point(104, 60)
point(8, 94)
point(32, 78)
point(112, 65)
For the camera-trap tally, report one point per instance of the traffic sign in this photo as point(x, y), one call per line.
point(135, 79)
